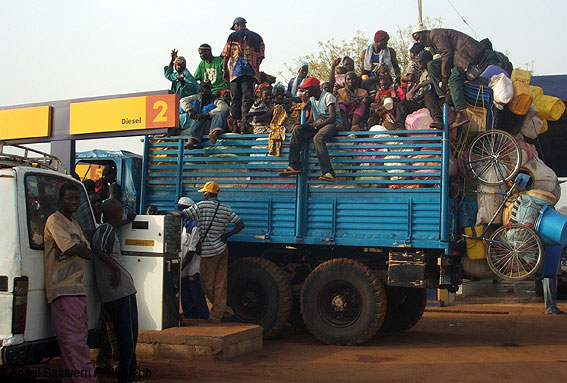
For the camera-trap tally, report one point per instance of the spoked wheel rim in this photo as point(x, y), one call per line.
point(494, 157)
point(515, 252)
point(339, 304)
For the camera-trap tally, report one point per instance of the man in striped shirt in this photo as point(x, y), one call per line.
point(213, 218)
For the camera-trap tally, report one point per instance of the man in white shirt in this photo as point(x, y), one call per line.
point(193, 299)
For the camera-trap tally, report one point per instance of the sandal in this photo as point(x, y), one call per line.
point(328, 177)
point(290, 172)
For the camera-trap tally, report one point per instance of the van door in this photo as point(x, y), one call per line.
point(38, 197)
point(9, 255)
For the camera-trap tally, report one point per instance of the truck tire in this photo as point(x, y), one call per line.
point(342, 302)
point(259, 292)
point(405, 308)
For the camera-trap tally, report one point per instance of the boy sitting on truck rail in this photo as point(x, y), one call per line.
point(116, 288)
point(322, 125)
point(65, 247)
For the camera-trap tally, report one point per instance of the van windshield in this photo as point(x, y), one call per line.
point(42, 196)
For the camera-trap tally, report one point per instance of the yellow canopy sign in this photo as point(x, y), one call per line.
point(25, 123)
point(120, 114)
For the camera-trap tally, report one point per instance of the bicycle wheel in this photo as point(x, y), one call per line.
point(494, 157)
point(515, 252)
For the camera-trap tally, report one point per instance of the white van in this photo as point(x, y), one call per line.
point(29, 193)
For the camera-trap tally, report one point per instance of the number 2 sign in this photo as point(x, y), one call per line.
point(122, 114)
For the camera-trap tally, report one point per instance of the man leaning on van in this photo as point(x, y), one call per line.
point(65, 248)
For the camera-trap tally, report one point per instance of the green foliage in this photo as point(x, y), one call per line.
point(320, 61)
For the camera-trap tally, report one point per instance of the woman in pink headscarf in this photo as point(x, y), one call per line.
point(379, 54)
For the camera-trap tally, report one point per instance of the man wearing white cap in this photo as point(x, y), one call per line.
point(193, 299)
point(460, 53)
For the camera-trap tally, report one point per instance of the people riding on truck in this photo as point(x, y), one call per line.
point(323, 123)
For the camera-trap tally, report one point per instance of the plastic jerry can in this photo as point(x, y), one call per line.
point(550, 108)
point(522, 99)
point(475, 247)
point(521, 75)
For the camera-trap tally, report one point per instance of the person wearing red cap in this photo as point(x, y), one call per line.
point(321, 126)
point(379, 54)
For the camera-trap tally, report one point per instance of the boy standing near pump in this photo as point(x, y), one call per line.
point(116, 288)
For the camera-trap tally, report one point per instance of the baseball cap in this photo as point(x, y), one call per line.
point(211, 187)
point(310, 81)
point(424, 55)
point(238, 20)
point(185, 201)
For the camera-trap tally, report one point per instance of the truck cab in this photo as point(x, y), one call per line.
point(29, 186)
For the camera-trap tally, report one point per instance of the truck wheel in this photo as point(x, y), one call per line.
point(259, 292)
point(342, 302)
point(405, 308)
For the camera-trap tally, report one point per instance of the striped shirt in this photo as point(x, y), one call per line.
point(203, 213)
point(106, 239)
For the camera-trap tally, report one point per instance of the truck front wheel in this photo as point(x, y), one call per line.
point(259, 292)
point(405, 308)
point(342, 302)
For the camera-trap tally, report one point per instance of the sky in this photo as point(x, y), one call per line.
point(65, 49)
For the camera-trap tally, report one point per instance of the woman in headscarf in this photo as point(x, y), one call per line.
point(293, 90)
point(379, 54)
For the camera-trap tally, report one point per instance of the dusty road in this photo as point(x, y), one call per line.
point(499, 335)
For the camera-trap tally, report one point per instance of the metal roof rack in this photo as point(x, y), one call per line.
point(29, 157)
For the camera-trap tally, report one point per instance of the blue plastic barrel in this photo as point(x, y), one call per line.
point(551, 227)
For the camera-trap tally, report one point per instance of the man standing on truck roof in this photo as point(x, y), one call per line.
point(243, 53)
point(65, 247)
point(460, 56)
point(212, 218)
point(321, 127)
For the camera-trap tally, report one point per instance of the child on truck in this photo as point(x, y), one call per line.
point(116, 287)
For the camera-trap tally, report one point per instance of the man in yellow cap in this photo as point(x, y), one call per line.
point(212, 219)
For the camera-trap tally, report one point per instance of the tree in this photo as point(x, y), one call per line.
point(320, 61)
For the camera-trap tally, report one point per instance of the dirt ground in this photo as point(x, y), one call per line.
point(497, 333)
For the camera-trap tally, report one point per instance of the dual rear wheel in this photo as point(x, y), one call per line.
point(342, 301)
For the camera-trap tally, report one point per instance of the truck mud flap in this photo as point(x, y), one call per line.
point(407, 269)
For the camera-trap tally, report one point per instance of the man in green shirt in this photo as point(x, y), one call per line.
point(210, 69)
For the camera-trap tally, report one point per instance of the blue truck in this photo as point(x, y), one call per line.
point(346, 258)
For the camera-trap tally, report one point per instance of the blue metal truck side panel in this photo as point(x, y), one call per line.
point(388, 191)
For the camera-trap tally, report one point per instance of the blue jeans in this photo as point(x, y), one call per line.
point(302, 135)
point(199, 127)
point(124, 313)
point(193, 298)
point(550, 294)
